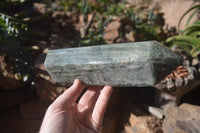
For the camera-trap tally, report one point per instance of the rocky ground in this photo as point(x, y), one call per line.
point(22, 106)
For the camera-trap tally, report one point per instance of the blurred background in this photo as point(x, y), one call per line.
point(29, 28)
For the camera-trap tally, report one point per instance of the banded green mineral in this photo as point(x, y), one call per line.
point(125, 65)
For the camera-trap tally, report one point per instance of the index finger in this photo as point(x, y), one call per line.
point(70, 95)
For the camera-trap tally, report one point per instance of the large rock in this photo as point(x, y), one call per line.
point(143, 124)
point(125, 64)
point(182, 119)
point(112, 31)
point(137, 125)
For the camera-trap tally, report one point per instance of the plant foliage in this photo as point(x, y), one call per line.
point(15, 40)
point(189, 38)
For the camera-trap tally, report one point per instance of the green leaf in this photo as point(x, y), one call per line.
point(3, 24)
point(191, 16)
point(188, 39)
point(197, 22)
point(184, 45)
point(195, 51)
point(190, 29)
point(195, 33)
point(192, 8)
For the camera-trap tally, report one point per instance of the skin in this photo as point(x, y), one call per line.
point(64, 115)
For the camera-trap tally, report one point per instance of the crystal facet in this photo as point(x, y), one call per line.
point(124, 65)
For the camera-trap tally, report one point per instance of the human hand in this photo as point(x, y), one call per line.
point(64, 115)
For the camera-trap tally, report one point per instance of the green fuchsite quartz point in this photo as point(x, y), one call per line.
point(124, 65)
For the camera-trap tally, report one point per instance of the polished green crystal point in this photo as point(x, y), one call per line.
point(124, 64)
